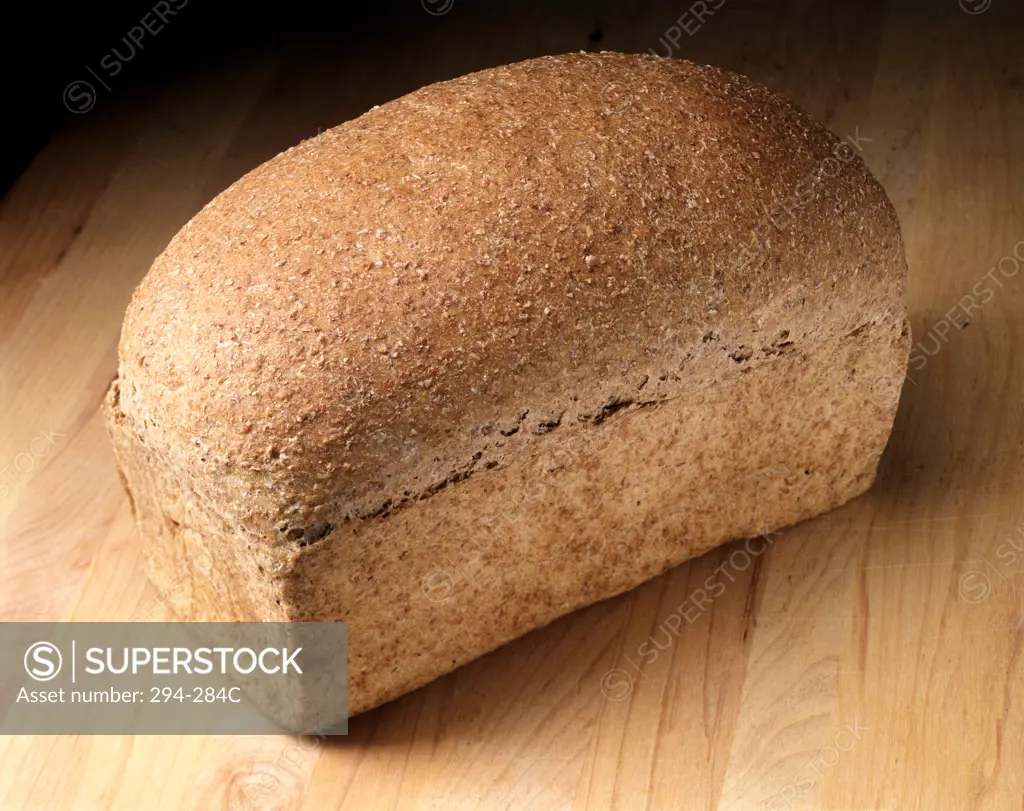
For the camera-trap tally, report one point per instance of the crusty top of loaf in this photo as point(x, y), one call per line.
point(495, 254)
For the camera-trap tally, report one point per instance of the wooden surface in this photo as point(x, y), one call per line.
point(870, 659)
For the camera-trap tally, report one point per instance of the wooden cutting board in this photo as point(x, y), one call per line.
point(870, 659)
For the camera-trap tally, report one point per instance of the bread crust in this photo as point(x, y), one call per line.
point(388, 327)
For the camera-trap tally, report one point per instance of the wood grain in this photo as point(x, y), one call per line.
point(869, 659)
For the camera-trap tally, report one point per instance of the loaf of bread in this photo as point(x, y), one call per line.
point(503, 347)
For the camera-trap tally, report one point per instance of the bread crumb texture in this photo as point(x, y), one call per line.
point(488, 271)
point(352, 318)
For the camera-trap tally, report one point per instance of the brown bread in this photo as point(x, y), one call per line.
point(501, 348)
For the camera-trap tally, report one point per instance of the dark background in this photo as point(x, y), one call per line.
point(44, 47)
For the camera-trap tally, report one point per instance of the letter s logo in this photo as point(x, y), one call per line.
point(43, 661)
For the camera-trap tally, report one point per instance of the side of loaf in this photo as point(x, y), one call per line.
point(504, 347)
